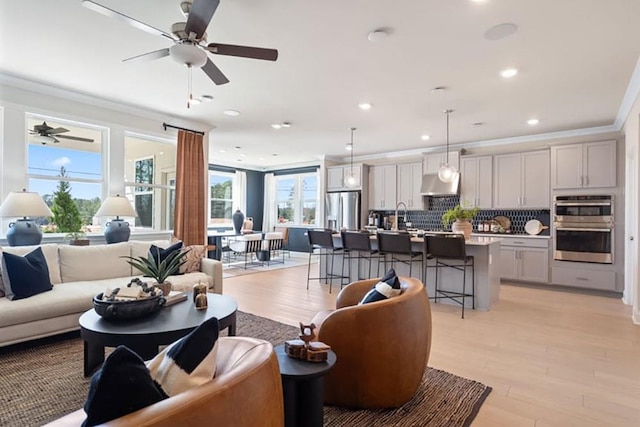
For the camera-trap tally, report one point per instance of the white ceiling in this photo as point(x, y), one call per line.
point(575, 57)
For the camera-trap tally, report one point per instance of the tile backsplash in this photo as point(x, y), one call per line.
point(431, 219)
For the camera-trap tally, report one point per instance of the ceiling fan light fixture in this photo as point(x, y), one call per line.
point(188, 54)
point(44, 139)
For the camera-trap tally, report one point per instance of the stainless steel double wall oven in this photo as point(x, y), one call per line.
point(583, 228)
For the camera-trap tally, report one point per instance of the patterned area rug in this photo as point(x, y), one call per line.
point(42, 380)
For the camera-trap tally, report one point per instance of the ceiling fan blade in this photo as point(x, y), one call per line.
point(57, 130)
point(200, 16)
point(243, 51)
point(89, 4)
point(214, 73)
point(156, 54)
point(74, 138)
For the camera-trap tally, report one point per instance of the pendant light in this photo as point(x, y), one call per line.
point(351, 181)
point(447, 173)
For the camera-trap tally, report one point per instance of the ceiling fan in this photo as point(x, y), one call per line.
point(46, 134)
point(190, 44)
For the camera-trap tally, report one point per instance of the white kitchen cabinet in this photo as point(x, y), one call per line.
point(521, 180)
point(382, 187)
point(432, 162)
point(476, 180)
point(586, 165)
point(337, 176)
point(524, 259)
point(409, 182)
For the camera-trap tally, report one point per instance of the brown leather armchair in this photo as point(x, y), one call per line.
point(246, 392)
point(382, 347)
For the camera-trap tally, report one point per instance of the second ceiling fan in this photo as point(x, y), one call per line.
point(190, 45)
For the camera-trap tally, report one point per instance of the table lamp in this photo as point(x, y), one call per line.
point(117, 230)
point(24, 204)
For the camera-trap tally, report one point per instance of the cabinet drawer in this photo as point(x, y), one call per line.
point(590, 279)
point(525, 242)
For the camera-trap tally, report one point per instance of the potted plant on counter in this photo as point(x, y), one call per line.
point(461, 219)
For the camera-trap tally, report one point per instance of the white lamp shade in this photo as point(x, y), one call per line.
point(116, 206)
point(447, 173)
point(24, 204)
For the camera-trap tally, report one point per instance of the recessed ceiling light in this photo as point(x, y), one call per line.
point(243, 155)
point(232, 113)
point(364, 106)
point(195, 101)
point(438, 90)
point(276, 125)
point(377, 35)
point(161, 153)
point(274, 154)
point(533, 122)
point(237, 147)
point(478, 1)
point(507, 73)
point(425, 137)
point(223, 150)
point(500, 31)
point(286, 124)
point(477, 123)
point(260, 158)
point(239, 160)
point(207, 98)
point(348, 147)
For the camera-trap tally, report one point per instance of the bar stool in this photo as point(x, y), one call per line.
point(322, 240)
point(449, 251)
point(396, 247)
point(357, 245)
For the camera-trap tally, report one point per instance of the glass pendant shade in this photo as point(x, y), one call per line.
point(447, 173)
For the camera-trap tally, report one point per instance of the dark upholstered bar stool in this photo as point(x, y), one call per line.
point(357, 245)
point(322, 242)
point(396, 247)
point(449, 251)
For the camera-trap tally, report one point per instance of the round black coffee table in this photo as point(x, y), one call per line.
point(146, 334)
point(303, 389)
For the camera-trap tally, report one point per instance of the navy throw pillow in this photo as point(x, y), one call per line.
point(387, 287)
point(121, 387)
point(25, 276)
point(162, 254)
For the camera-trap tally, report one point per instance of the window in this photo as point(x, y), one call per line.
point(297, 198)
point(221, 198)
point(72, 163)
point(150, 165)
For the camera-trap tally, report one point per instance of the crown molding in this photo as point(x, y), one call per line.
point(629, 99)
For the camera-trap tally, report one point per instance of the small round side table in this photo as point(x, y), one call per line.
point(303, 389)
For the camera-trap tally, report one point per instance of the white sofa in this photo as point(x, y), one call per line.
point(78, 273)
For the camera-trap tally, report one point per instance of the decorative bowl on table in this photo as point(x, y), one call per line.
point(124, 310)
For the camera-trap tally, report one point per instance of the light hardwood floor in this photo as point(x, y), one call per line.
point(553, 358)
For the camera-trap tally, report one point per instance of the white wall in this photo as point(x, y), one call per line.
point(631, 131)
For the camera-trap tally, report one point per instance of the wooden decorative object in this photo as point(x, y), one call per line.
point(305, 348)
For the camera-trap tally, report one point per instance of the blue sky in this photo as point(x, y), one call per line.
point(46, 160)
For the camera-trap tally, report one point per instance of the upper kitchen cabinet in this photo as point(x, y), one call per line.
point(521, 181)
point(337, 178)
point(409, 182)
point(476, 180)
point(587, 165)
point(432, 162)
point(382, 187)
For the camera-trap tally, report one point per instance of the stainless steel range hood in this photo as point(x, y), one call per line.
point(432, 186)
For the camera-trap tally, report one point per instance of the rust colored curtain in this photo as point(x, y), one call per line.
point(189, 221)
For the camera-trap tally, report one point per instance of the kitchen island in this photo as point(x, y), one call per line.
point(486, 253)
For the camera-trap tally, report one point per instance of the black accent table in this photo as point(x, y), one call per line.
point(303, 389)
point(146, 334)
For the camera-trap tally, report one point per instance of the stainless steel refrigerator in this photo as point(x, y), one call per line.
point(343, 210)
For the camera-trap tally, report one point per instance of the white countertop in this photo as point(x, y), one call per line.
point(517, 236)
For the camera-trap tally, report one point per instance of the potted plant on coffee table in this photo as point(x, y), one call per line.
point(159, 270)
point(461, 219)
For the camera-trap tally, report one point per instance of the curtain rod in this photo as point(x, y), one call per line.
point(165, 126)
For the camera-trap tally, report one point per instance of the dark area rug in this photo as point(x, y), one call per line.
point(42, 380)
